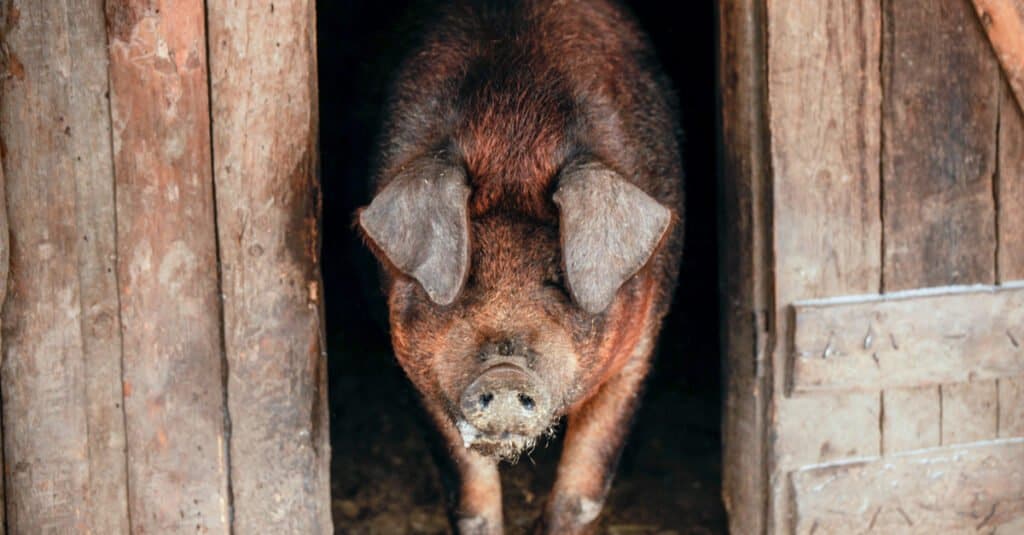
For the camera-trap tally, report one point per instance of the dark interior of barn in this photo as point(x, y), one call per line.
point(385, 478)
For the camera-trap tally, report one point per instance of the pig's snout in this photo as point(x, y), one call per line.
point(505, 400)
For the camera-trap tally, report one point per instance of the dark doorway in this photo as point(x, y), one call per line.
point(384, 477)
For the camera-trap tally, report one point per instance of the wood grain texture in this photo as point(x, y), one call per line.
point(90, 146)
point(911, 419)
point(5, 257)
point(909, 340)
point(1011, 407)
point(745, 266)
point(949, 490)
point(42, 377)
point(167, 268)
point(941, 109)
point(1004, 23)
point(970, 412)
point(1010, 189)
point(824, 95)
point(264, 96)
point(825, 428)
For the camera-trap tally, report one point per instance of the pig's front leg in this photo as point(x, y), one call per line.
point(593, 442)
point(478, 511)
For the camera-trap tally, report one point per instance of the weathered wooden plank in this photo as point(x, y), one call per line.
point(940, 108)
point(824, 97)
point(167, 268)
point(940, 115)
point(824, 94)
point(263, 78)
point(976, 489)
point(1011, 407)
point(909, 339)
point(829, 428)
point(42, 376)
point(970, 412)
point(5, 257)
point(1010, 189)
point(90, 145)
point(1004, 22)
point(911, 419)
point(745, 267)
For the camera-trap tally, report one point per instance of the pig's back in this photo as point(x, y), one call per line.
point(515, 90)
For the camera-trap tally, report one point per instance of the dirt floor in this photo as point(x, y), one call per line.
point(386, 480)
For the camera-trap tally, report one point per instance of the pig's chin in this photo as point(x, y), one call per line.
point(505, 447)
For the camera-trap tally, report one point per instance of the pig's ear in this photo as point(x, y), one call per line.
point(419, 222)
point(610, 228)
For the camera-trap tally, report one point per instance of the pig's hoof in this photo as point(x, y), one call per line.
point(477, 525)
point(575, 515)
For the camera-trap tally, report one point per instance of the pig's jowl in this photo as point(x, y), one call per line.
point(528, 221)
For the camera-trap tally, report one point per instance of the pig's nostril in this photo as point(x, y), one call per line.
point(526, 402)
point(485, 399)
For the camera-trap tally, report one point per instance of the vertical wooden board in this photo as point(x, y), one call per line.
point(824, 121)
point(969, 412)
point(911, 419)
point(90, 146)
point(1011, 407)
point(167, 268)
point(41, 377)
point(263, 79)
point(940, 114)
point(1010, 189)
point(4, 272)
point(745, 267)
point(940, 111)
point(824, 98)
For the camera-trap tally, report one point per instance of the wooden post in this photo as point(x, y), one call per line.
point(61, 354)
point(264, 94)
point(745, 223)
point(167, 268)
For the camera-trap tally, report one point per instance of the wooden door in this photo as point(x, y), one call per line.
point(874, 310)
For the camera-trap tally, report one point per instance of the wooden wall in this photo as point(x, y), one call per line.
point(894, 320)
point(162, 355)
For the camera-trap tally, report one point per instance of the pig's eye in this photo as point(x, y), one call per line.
point(555, 282)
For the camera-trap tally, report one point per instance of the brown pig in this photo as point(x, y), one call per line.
point(528, 218)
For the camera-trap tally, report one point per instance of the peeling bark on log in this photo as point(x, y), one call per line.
point(167, 268)
point(263, 76)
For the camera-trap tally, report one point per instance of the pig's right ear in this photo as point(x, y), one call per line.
point(419, 222)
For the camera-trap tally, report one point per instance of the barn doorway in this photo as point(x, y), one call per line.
point(384, 477)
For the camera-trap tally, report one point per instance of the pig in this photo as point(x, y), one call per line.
point(528, 223)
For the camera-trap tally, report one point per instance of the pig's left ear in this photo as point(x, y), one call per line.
point(419, 222)
point(610, 228)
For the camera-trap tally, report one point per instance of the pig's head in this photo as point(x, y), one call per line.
point(503, 320)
